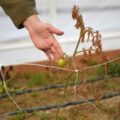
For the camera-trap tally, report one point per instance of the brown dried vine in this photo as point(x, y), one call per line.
point(88, 32)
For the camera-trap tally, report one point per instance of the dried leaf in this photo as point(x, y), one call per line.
point(75, 11)
point(89, 31)
point(82, 39)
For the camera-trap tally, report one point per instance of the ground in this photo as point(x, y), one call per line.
point(25, 77)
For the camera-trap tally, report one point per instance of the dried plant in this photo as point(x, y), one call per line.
point(88, 32)
point(105, 59)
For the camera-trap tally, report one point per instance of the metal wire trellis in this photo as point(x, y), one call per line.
point(66, 104)
point(79, 24)
point(56, 86)
point(53, 67)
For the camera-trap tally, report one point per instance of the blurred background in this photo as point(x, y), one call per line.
point(103, 15)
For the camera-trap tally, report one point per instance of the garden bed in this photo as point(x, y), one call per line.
point(33, 86)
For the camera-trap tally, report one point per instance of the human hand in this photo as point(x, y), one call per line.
point(42, 35)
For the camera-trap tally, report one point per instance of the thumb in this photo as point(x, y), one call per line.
point(56, 31)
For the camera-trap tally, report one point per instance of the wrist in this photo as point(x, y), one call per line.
point(30, 22)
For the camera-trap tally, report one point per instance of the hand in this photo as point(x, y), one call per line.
point(42, 35)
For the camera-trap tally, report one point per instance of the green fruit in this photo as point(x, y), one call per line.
point(61, 62)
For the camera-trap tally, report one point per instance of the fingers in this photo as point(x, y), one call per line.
point(48, 53)
point(55, 30)
point(52, 54)
point(57, 47)
point(54, 51)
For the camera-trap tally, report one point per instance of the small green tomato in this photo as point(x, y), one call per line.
point(61, 62)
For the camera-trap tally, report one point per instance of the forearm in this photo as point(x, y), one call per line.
point(19, 10)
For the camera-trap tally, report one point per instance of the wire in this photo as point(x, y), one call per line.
point(6, 90)
point(83, 98)
point(54, 67)
point(77, 75)
point(65, 69)
point(49, 87)
point(48, 66)
point(94, 66)
point(54, 106)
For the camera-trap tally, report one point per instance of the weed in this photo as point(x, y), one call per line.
point(114, 68)
point(35, 79)
point(100, 71)
point(109, 85)
point(112, 110)
point(81, 116)
point(118, 55)
point(1, 86)
point(91, 62)
point(62, 118)
point(20, 116)
point(42, 115)
point(10, 89)
point(34, 94)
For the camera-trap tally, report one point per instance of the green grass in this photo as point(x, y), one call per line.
point(114, 68)
point(109, 85)
point(62, 118)
point(42, 115)
point(100, 71)
point(34, 94)
point(112, 110)
point(20, 116)
point(37, 79)
point(81, 116)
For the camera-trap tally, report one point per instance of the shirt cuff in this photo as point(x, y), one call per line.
point(22, 15)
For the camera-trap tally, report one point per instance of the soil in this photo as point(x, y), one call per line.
point(24, 77)
point(78, 60)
